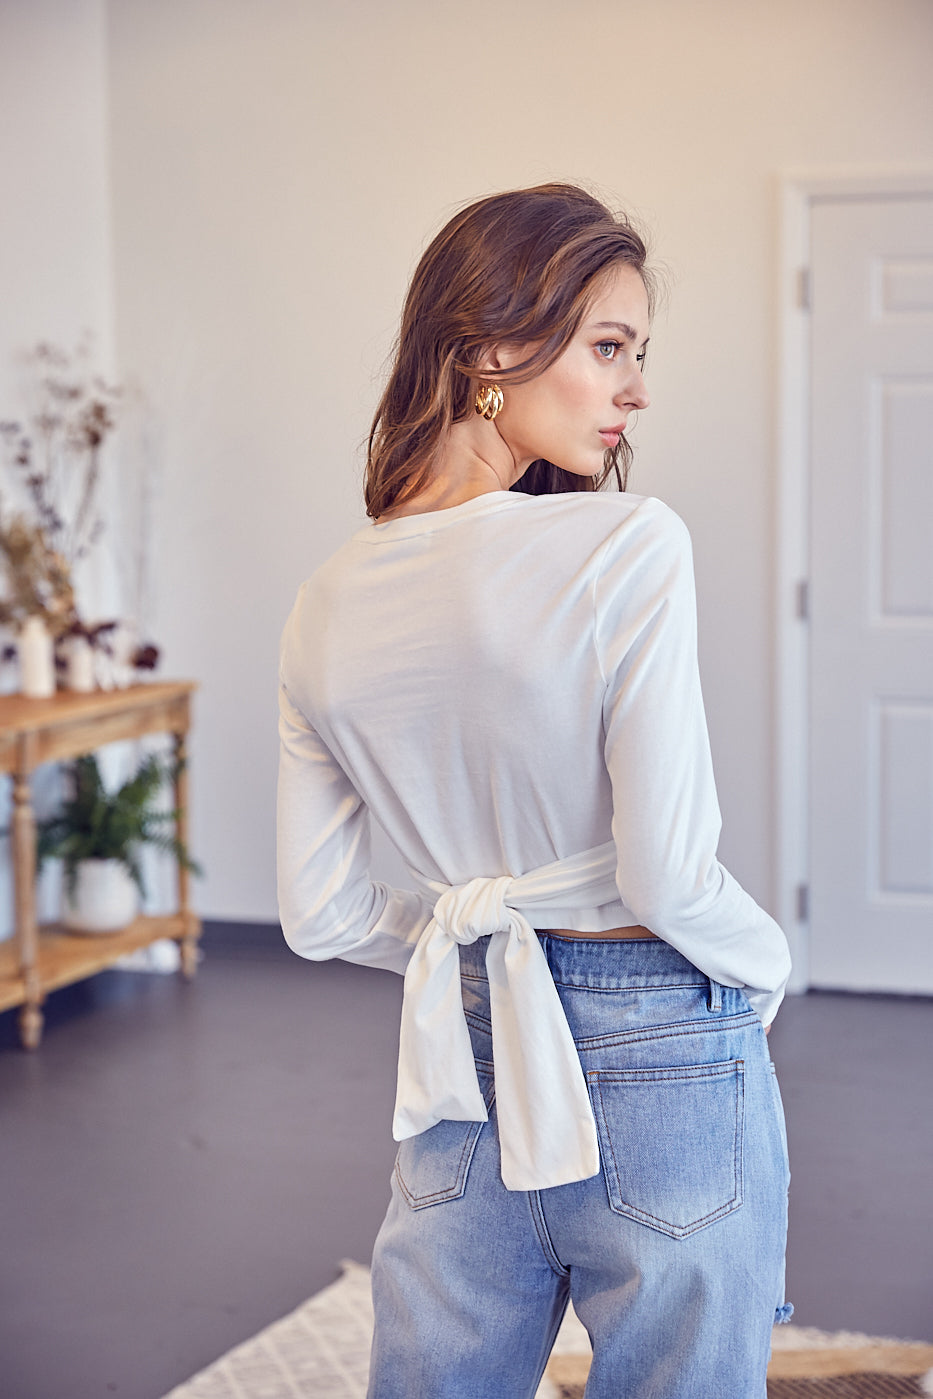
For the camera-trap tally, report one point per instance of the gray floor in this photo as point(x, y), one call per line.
point(181, 1164)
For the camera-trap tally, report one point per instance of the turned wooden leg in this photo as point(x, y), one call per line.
point(189, 955)
point(31, 1023)
point(189, 942)
point(23, 850)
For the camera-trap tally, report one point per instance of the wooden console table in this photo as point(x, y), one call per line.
point(33, 731)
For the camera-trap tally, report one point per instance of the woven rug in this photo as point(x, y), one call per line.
point(321, 1351)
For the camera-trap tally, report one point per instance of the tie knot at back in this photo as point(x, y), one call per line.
point(474, 910)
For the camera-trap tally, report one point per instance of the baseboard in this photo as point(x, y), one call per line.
point(225, 938)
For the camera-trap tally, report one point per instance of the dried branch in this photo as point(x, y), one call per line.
point(55, 457)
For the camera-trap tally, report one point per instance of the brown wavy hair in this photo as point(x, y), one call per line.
point(519, 268)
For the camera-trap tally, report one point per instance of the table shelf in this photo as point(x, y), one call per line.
point(33, 731)
point(65, 957)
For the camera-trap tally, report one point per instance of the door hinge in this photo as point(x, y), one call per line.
point(803, 288)
point(803, 903)
point(802, 600)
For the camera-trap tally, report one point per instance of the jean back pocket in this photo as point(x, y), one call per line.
point(671, 1142)
point(432, 1167)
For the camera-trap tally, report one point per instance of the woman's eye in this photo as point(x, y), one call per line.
point(607, 348)
point(641, 357)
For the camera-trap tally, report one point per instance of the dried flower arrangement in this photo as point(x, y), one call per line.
point(53, 466)
point(38, 578)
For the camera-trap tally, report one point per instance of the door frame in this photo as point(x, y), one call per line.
point(798, 191)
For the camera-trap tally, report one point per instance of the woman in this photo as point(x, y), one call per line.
point(502, 671)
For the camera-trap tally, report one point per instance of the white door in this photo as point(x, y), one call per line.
point(871, 608)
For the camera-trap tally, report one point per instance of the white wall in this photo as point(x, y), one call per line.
point(276, 170)
point(55, 269)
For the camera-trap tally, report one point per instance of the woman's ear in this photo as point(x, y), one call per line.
point(499, 357)
point(489, 364)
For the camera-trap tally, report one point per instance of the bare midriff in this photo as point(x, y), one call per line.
point(636, 932)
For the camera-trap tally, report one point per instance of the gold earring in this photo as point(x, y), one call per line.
point(489, 401)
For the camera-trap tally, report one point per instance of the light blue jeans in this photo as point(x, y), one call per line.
point(673, 1255)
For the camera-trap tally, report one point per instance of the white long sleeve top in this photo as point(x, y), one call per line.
point(510, 688)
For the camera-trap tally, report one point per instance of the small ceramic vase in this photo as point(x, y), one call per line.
point(79, 664)
point(36, 659)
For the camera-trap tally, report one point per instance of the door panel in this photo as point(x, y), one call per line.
point(871, 635)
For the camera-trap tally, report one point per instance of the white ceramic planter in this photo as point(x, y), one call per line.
point(105, 898)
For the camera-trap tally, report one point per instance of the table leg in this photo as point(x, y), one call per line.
point(23, 849)
point(189, 942)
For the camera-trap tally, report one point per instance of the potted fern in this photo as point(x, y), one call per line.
point(97, 835)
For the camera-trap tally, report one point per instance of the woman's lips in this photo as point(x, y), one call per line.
point(611, 435)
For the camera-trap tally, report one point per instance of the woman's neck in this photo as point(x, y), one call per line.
point(463, 469)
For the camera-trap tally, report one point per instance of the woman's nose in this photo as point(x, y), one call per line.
point(634, 392)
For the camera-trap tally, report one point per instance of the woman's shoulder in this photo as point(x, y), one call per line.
point(609, 516)
point(585, 524)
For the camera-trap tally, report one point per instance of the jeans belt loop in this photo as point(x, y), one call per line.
point(715, 995)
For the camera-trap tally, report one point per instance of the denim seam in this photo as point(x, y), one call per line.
point(672, 1073)
point(544, 1237)
point(622, 985)
point(663, 1032)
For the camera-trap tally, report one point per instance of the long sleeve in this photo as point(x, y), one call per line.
point(328, 905)
point(666, 820)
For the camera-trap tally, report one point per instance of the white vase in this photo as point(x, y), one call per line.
point(36, 659)
point(79, 664)
point(105, 898)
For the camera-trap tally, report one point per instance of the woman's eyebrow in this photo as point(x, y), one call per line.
point(624, 330)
